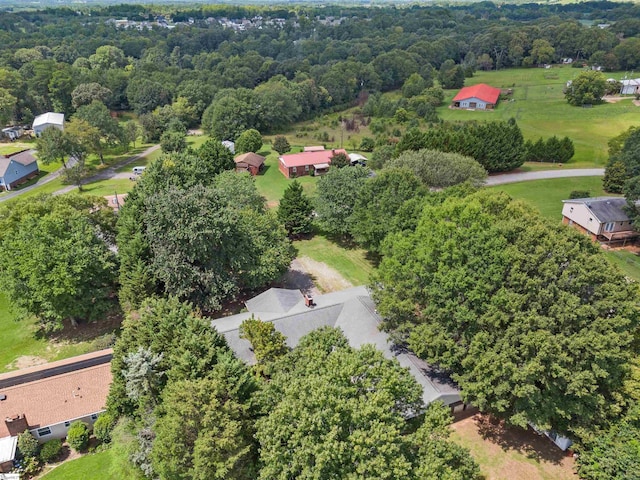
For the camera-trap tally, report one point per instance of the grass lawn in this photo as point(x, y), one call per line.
point(12, 147)
point(105, 465)
point(547, 195)
point(350, 262)
point(541, 110)
point(511, 453)
point(626, 261)
point(271, 183)
point(112, 186)
point(19, 340)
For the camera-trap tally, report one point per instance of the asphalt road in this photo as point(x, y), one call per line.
point(542, 175)
point(103, 175)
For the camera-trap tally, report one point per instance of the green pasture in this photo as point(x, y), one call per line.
point(547, 195)
point(541, 111)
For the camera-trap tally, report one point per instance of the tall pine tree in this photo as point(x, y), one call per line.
point(295, 210)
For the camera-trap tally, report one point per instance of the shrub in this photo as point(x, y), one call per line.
point(78, 436)
point(580, 194)
point(103, 426)
point(50, 451)
point(28, 445)
point(367, 144)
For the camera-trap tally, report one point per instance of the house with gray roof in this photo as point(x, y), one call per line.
point(602, 218)
point(351, 310)
point(17, 168)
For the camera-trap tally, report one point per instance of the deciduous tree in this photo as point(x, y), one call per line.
point(531, 319)
point(586, 89)
point(249, 141)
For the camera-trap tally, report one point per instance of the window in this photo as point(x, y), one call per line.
point(44, 431)
point(294, 169)
point(306, 168)
point(94, 416)
point(608, 227)
point(67, 423)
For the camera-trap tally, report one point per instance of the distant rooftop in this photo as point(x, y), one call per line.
point(49, 118)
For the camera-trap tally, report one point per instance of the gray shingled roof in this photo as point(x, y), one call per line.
point(24, 157)
point(605, 209)
point(277, 300)
point(353, 311)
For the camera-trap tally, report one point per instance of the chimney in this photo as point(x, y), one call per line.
point(16, 424)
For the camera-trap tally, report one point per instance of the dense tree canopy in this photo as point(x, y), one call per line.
point(375, 212)
point(336, 412)
point(532, 321)
point(438, 169)
point(56, 261)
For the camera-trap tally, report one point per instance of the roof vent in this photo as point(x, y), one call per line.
point(3, 397)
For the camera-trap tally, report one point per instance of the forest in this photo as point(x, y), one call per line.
point(528, 317)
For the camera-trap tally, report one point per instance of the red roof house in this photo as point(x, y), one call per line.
point(307, 163)
point(477, 97)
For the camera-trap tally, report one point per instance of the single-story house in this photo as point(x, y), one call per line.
point(353, 311)
point(602, 218)
point(477, 97)
point(249, 162)
point(46, 120)
point(231, 146)
point(17, 168)
point(307, 163)
point(47, 398)
point(13, 133)
point(630, 87)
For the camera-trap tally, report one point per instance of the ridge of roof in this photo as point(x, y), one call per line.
point(482, 91)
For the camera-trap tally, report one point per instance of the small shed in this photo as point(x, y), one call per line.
point(630, 87)
point(12, 133)
point(231, 146)
point(46, 120)
point(477, 97)
point(249, 162)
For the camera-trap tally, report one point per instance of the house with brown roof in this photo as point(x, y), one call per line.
point(17, 168)
point(315, 162)
point(47, 398)
point(477, 97)
point(250, 162)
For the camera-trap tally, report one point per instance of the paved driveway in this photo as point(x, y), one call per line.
point(542, 175)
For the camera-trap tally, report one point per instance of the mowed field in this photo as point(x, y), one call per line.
point(541, 110)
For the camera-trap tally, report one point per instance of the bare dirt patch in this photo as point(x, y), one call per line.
point(26, 361)
point(508, 453)
point(325, 278)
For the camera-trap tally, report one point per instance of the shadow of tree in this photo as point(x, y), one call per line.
point(527, 442)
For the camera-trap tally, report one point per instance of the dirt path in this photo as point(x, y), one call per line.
point(313, 277)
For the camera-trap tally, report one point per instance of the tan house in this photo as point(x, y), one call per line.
point(47, 398)
point(602, 218)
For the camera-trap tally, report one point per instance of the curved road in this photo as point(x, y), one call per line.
point(105, 174)
point(542, 175)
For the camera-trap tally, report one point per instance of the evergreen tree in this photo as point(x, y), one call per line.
point(281, 144)
point(295, 210)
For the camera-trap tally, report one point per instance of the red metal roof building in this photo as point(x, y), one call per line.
point(307, 163)
point(477, 97)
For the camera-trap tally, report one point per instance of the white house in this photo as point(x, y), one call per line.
point(477, 97)
point(630, 87)
point(602, 218)
point(46, 120)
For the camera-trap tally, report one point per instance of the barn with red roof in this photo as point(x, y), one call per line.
point(315, 162)
point(477, 97)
